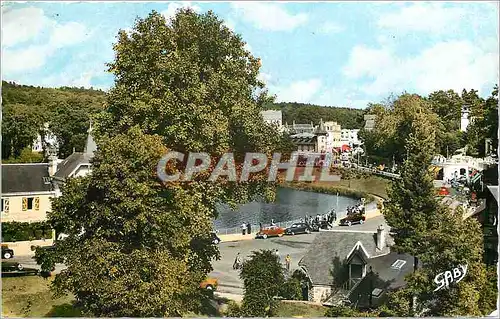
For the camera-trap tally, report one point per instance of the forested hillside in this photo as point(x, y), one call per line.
point(27, 108)
point(307, 113)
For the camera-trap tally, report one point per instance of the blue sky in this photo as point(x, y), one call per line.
point(327, 53)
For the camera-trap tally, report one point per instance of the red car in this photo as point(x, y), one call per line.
point(271, 231)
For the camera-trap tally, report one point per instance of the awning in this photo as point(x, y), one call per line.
point(345, 148)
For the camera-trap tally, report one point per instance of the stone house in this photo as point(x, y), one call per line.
point(350, 265)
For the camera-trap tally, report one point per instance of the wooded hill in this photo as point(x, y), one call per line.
point(349, 118)
point(27, 108)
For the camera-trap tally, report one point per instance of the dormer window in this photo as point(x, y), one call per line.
point(398, 264)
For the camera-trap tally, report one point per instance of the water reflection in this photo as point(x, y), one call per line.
point(290, 204)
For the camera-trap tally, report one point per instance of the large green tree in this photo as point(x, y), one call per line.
point(263, 277)
point(186, 85)
point(483, 122)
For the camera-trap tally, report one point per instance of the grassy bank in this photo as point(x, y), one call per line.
point(30, 296)
point(354, 185)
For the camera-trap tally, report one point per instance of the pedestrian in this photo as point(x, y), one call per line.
point(276, 252)
point(243, 228)
point(272, 222)
point(334, 216)
point(249, 228)
point(237, 262)
point(260, 226)
point(288, 260)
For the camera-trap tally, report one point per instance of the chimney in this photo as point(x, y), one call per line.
point(52, 161)
point(380, 237)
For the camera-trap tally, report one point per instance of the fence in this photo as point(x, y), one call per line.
point(255, 228)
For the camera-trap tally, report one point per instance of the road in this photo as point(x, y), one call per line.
point(296, 246)
point(229, 281)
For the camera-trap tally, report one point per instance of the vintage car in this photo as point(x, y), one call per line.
point(270, 231)
point(352, 219)
point(209, 284)
point(12, 268)
point(298, 228)
point(7, 253)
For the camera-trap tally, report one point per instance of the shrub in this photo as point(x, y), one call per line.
point(17, 231)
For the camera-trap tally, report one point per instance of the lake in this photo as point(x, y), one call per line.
point(290, 204)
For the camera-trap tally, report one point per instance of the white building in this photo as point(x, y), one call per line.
point(50, 140)
point(274, 118)
point(333, 136)
point(350, 137)
point(464, 120)
point(459, 166)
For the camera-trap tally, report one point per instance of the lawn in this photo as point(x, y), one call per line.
point(30, 296)
point(371, 184)
point(300, 309)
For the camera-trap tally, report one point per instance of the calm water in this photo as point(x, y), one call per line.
point(290, 204)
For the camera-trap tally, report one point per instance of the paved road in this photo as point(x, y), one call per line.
point(296, 246)
point(229, 280)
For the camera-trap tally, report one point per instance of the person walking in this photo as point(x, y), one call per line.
point(260, 226)
point(249, 228)
point(288, 261)
point(243, 228)
point(237, 262)
point(276, 252)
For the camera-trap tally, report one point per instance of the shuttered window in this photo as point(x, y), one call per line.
point(37, 203)
point(6, 205)
point(25, 203)
point(29, 202)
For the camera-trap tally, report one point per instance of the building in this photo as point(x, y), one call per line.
point(27, 189)
point(459, 166)
point(26, 192)
point(75, 165)
point(49, 140)
point(334, 136)
point(350, 137)
point(273, 117)
point(370, 122)
point(352, 265)
point(299, 128)
point(464, 119)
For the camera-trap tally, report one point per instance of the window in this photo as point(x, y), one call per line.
point(5, 205)
point(2, 204)
point(30, 203)
point(398, 264)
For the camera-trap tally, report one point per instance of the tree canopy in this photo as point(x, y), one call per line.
point(186, 85)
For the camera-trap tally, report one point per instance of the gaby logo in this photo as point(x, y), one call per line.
point(444, 279)
point(253, 163)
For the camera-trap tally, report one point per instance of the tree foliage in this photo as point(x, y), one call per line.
point(263, 276)
point(483, 122)
point(437, 237)
point(186, 85)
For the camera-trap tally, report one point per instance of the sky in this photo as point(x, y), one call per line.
point(326, 53)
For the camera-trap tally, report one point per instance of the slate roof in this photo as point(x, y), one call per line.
point(384, 278)
point(70, 163)
point(17, 178)
point(319, 259)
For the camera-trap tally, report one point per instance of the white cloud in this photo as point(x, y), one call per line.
point(34, 56)
point(299, 91)
point(269, 16)
point(21, 25)
point(174, 6)
point(445, 65)
point(68, 34)
point(264, 77)
point(330, 27)
point(422, 16)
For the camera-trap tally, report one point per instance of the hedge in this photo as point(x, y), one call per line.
point(17, 231)
point(330, 190)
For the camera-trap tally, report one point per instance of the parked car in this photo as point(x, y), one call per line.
point(11, 268)
point(298, 228)
point(215, 239)
point(7, 253)
point(270, 231)
point(352, 219)
point(209, 284)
